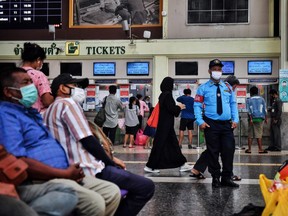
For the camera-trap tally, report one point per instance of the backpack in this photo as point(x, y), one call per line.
point(100, 117)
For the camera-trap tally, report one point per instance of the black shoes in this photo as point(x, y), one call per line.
point(190, 146)
point(272, 149)
point(216, 183)
point(227, 182)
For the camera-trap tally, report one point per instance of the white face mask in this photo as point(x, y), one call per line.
point(216, 75)
point(78, 95)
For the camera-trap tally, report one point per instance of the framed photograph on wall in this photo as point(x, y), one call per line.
point(110, 13)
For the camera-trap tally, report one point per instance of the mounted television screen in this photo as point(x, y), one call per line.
point(74, 68)
point(104, 68)
point(45, 69)
point(260, 67)
point(186, 68)
point(228, 68)
point(137, 68)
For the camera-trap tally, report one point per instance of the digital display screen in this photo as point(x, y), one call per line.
point(228, 68)
point(137, 68)
point(260, 67)
point(73, 68)
point(104, 68)
point(30, 14)
point(186, 68)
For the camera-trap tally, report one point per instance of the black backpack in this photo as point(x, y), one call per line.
point(100, 117)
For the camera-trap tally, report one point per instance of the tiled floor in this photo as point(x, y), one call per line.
point(178, 195)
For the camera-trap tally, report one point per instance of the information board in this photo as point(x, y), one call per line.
point(30, 14)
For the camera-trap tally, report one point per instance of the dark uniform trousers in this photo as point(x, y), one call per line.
point(219, 140)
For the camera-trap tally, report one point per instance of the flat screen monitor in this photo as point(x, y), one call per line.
point(73, 68)
point(186, 68)
point(45, 69)
point(260, 67)
point(7, 65)
point(104, 68)
point(137, 68)
point(228, 68)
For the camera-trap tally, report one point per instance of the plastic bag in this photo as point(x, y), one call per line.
point(140, 138)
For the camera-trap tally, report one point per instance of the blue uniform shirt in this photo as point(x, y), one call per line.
point(188, 112)
point(206, 95)
point(23, 134)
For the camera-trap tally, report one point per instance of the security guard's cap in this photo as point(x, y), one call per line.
point(215, 62)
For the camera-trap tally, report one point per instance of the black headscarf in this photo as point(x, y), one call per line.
point(167, 84)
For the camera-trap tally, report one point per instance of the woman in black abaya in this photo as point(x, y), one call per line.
point(166, 153)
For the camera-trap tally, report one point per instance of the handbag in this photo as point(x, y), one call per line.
point(153, 119)
point(12, 169)
point(100, 117)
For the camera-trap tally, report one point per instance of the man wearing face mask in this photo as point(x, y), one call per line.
point(219, 119)
point(23, 134)
point(67, 123)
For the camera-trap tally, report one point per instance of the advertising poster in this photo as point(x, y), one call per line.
point(283, 88)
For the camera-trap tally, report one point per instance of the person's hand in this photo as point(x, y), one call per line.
point(234, 125)
point(75, 172)
point(119, 162)
point(182, 106)
point(251, 122)
point(203, 126)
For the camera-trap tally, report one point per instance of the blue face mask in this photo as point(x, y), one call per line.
point(29, 95)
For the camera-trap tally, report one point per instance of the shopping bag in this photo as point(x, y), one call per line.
point(153, 119)
point(140, 138)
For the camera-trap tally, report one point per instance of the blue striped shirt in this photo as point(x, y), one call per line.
point(206, 95)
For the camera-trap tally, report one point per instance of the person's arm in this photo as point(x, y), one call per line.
point(198, 106)
point(92, 145)
point(279, 109)
point(44, 90)
point(40, 171)
point(170, 104)
point(234, 109)
point(47, 99)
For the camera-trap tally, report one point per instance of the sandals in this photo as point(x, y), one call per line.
point(197, 176)
point(248, 151)
point(263, 152)
point(236, 178)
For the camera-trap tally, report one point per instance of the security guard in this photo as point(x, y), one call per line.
point(218, 120)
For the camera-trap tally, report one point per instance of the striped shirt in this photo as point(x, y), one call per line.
point(67, 123)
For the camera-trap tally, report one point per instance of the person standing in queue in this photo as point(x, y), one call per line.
point(276, 112)
point(187, 117)
point(218, 122)
point(111, 109)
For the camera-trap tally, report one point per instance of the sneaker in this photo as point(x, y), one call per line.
point(147, 169)
point(190, 146)
point(185, 168)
